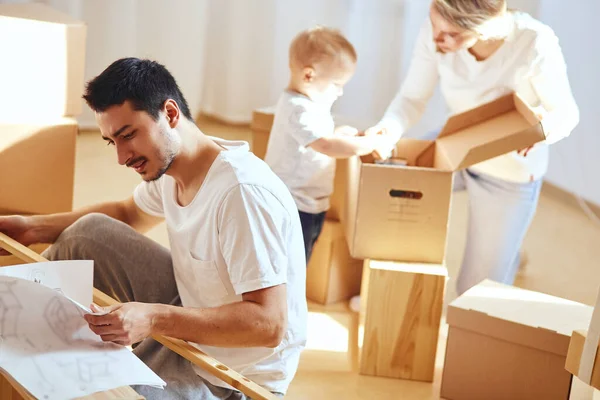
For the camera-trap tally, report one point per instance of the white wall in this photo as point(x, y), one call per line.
point(230, 57)
point(575, 161)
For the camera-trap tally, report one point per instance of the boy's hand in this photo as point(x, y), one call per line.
point(346, 130)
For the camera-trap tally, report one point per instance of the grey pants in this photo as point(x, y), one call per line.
point(131, 267)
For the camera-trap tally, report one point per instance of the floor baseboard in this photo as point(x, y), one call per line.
point(564, 196)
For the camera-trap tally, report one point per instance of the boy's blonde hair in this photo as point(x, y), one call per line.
point(321, 44)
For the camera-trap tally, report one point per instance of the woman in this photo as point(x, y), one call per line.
point(479, 50)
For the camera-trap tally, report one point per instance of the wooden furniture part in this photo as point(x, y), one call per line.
point(401, 309)
point(183, 348)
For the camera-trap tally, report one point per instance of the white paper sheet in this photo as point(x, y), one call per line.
point(46, 345)
point(73, 278)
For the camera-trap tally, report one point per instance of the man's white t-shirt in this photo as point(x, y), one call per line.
point(308, 174)
point(529, 62)
point(240, 233)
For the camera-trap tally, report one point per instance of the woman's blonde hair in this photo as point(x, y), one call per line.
point(472, 15)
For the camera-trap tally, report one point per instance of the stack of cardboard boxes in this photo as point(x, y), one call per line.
point(332, 274)
point(43, 57)
point(400, 214)
point(503, 342)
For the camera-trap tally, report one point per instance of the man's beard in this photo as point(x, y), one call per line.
point(170, 157)
point(167, 158)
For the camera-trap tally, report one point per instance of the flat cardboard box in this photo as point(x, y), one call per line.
point(509, 343)
point(400, 213)
point(43, 58)
point(332, 275)
point(262, 122)
point(38, 167)
point(400, 315)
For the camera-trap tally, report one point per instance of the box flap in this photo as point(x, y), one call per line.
point(521, 316)
point(493, 129)
point(37, 12)
point(411, 150)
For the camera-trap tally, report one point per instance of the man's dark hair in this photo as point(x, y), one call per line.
point(145, 83)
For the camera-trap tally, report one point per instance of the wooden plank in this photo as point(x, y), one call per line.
point(402, 320)
point(181, 347)
point(574, 358)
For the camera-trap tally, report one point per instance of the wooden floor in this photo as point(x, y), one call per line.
point(563, 248)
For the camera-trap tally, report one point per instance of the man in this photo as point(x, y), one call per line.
point(236, 262)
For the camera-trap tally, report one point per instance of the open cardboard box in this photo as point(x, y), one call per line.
point(509, 343)
point(43, 59)
point(400, 213)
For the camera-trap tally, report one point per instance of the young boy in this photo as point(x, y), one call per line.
point(304, 142)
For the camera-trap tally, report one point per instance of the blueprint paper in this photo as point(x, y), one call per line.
point(46, 345)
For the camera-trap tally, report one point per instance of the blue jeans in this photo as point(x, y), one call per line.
point(500, 214)
point(311, 229)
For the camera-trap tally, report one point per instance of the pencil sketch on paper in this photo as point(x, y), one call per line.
point(64, 318)
point(10, 309)
point(50, 349)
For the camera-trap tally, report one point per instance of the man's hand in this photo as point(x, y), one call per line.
point(19, 228)
point(124, 324)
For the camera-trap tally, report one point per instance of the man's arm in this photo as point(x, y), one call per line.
point(254, 238)
point(47, 228)
point(259, 320)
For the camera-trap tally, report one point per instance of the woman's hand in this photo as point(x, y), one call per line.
point(346, 130)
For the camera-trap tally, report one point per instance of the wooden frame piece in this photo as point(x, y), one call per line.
point(181, 347)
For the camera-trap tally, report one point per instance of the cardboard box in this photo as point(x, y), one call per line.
point(38, 167)
point(332, 275)
point(400, 315)
point(583, 357)
point(42, 62)
point(509, 343)
point(400, 213)
point(575, 354)
point(262, 122)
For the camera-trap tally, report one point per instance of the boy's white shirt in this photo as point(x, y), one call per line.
point(239, 234)
point(529, 62)
point(308, 174)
